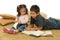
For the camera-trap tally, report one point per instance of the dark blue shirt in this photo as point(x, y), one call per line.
point(39, 21)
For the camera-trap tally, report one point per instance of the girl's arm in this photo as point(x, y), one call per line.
point(17, 20)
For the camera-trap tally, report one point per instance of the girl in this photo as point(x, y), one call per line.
point(22, 19)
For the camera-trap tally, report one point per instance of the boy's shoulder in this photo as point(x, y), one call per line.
point(39, 16)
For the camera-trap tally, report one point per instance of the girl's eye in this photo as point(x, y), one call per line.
point(24, 11)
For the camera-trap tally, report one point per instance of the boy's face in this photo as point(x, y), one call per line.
point(33, 14)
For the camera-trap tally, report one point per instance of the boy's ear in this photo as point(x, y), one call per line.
point(38, 13)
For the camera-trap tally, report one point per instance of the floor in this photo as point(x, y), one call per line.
point(20, 36)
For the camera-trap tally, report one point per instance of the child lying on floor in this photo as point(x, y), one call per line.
point(22, 19)
point(40, 21)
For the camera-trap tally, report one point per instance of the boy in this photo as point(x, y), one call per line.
point(41, 22)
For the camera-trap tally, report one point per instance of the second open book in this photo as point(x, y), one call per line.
point(38, 33)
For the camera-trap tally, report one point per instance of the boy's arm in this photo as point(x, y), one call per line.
point(38, 28)
point(29, 27)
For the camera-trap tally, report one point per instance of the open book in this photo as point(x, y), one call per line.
point(15, 25)
point(38, 33)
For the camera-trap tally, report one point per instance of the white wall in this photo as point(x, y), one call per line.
point(50, 7)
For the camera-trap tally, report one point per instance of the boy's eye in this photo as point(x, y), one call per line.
point(32, 13)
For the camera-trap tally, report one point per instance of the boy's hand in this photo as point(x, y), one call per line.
point(34, 29)
point(27, 28)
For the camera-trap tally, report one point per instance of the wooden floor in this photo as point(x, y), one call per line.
point(20, 36)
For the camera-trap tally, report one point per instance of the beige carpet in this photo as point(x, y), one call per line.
point(20, 36)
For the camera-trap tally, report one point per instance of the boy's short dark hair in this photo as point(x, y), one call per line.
point(35, 8)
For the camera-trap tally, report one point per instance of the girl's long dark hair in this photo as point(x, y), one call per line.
point(19, 8)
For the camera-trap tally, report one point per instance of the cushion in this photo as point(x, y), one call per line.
point(8, 16)
point(57, 18)
point(6, 21)
point(43, 15)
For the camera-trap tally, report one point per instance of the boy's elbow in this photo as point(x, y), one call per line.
point(40, 28)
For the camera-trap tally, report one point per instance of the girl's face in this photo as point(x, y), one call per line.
point(23, 11)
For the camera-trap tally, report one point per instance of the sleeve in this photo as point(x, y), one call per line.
point(25, 20)
point(40, 22)
point(32, 21)
point(17, 18)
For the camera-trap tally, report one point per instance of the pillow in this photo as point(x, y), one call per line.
point(7, 16)
point(43, 15)
point(6, 21)
point(57, 18)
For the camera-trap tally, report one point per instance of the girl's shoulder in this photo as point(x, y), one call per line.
point(23, 16)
